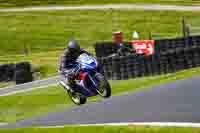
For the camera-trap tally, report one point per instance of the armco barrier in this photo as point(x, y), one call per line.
point(132, 66)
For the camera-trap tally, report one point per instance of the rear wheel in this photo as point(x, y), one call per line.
point(77, 98)
point(104, 89)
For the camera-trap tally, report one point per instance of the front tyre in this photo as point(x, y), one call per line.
point(104, 89)
point(77, 98)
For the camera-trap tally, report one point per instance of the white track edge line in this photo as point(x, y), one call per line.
point(103, 7)
point(160, 124)
point(27, 90)
point(29, 83)
point(3, 124)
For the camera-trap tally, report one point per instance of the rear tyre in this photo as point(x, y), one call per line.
point(104, 89)
point(77, 98)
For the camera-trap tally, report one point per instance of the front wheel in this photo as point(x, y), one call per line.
point(104, 89)
point(77, 98)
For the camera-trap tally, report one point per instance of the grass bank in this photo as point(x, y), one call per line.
point(53, 28)
point(4, 84)
point(46, 39)
point(105, 129)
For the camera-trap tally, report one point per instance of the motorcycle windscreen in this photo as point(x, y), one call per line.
point(87, 62)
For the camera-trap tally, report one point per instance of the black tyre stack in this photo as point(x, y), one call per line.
point(171, 62)
point(23, 73)
point(197, 56)
point(131, 66)
point(116, 68)
point(104, 49)
point(195, 40)
point(148, 62)
point(108, 62)
point(124, 67)
point(6, 72)
point(158, 63)
point(154, 65)
point(178, 59)
point(188, 58)
point(171, 55)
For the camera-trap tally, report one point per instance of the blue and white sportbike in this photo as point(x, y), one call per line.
point(90, 82)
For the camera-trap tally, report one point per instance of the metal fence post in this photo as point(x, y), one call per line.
point(184, 28)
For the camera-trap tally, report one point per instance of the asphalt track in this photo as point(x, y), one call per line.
point(175, 102)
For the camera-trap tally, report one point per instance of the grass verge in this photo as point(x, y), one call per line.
point(4, 84)
point(39, 102)
point(105, 129)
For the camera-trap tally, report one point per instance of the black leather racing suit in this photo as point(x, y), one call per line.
point(66, 68)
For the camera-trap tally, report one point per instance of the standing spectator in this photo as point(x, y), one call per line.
point(122, 49)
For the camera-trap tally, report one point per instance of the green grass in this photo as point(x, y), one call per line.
point(22, 106)
point(23, 3)
point(4, 84)
point(105, 129)
point(45, 33)
point(39, 102)
point(54, 28)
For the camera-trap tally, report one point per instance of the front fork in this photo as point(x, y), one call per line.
point(94, 83)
